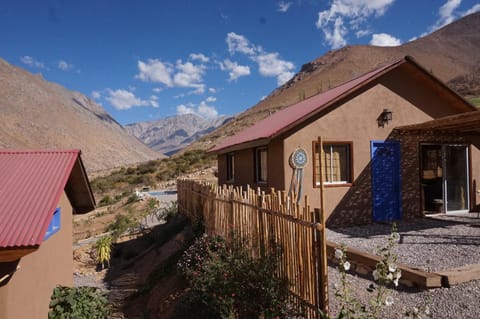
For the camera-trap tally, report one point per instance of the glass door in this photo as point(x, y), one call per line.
point(432, 178)
point(456, 178)
point(444, 178)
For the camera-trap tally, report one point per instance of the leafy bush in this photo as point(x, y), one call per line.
point(78, 302)
point(225, 282)
point(106, 200)
point(121, 224)
point(133, 198)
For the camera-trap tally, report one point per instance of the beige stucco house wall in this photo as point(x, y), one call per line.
point(27, 293)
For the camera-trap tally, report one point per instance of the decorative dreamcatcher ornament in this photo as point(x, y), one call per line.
point(298, 160)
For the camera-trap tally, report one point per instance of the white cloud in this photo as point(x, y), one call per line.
point(203, 109)
point(238, 43)
point(207, 111)
point(475, 8)
point(154, 101)
point(210, 99)
point(446, 11)
point(189, 74)
point(355, 12)
point(96, 95)
point(284, 6)
point(336, 36)
point(183, 109)
point(384, 40)
point(362, 33)
point(234, 69)
point(28, 60)
point(64, 65)
point(157, 90)
point(212, 90)
point(155, 71)
point(181, 74)
point(124, 100)
point(446, 14)
point(269, 64)
point(199, 57)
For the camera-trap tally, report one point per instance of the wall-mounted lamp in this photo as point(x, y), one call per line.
point(384, 117)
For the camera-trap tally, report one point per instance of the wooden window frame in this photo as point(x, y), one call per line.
point(349, 182)
point(258, 163)
point(230, 166)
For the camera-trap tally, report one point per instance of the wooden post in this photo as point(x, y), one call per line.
point(323, 240)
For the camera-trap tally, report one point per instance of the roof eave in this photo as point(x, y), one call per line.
point(241, 146)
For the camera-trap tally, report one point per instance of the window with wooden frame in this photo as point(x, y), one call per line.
point(261, 165)
point(337, 164)
point(230, 167)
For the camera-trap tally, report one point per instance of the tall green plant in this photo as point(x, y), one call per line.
point(103, 250)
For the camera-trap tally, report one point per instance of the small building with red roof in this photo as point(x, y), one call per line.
point(40, 190)
point(350, 139)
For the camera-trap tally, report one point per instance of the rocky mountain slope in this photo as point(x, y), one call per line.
point(451, 53)
point(35, 113)
point(169, 135)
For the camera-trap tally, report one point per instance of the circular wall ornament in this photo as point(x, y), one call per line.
point(298, 159)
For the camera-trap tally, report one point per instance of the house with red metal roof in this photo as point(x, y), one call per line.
point(349, 143)
point(40, 190)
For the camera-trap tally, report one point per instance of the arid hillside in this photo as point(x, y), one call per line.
point(35, 113)
point(451, 53)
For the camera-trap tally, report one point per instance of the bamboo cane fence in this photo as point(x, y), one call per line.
point(265, 221)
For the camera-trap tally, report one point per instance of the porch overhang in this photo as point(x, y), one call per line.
point(464, 123)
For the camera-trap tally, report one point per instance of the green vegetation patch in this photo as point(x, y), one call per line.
point(78, 302)
point(475, 101)
point(126, 179)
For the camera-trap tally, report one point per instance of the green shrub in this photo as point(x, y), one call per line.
point(226, 283)
point(78, 302)
point(106, 200)
point(133, 198)
point(121, 224)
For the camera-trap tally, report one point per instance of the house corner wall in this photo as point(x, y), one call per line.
point(27, 294)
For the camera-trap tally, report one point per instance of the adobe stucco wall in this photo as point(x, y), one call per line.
point(27, 294)
point(245, 167)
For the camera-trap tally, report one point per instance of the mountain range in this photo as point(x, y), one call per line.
point(171, 134)
point(452, 54)
point(35, 113)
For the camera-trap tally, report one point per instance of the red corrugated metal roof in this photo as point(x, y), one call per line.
point(284, 119)
point(31, 184)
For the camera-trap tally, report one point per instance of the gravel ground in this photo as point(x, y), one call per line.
point(90, 280)
point(461, 301)
point(429, 244)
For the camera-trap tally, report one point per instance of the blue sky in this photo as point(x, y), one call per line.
point(143, 60)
